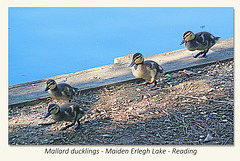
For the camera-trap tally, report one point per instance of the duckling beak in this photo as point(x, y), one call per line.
point(132, 63)
point(47, 88)
point(48, 114)
point(183, 42)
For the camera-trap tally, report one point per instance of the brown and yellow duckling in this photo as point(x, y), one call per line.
point(199, 41)
point(61, 91)
point(148, 70)
point(66, 112)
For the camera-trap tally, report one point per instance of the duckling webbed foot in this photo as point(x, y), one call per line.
point(149, 83)
point(154, 83)
point(78, 126)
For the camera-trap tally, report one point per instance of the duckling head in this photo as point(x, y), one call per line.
point(52, 109)
point(51, 84)
point(187, 36)
point(137, 59)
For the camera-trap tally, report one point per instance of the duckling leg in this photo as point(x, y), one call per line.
point(204, 53)
point(68, 126)
point(154, 83)
point(50, 123)
point(78, 125)
point(145, 83)
point(195, 56)
point(70, 99)
point(148, 83)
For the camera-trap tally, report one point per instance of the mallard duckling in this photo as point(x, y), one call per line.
point(66, 112)
point(148, 70)
point(199, 41)
point(61, 91)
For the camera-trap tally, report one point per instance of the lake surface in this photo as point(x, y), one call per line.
point(45, 42)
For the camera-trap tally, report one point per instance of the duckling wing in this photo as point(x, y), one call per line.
point(201, 38)
point(153, 65)
point(66, 90)
point(70, 112)
point(83, 110)
point(154, 69)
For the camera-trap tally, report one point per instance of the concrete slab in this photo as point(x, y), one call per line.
point(118, 72)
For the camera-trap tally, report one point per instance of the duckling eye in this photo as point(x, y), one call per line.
point(187, 35)
point(51, 106)
point(138, 57)
point(51, 83)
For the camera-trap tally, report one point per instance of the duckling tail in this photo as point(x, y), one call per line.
point(161, 70)
point(78, 92)
point(217, 38)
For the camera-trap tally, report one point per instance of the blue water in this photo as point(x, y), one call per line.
point(45, 42)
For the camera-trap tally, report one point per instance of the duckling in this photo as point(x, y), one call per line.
point(148, 70)
point(61, 91)
point(199, 41)
point(66, 112)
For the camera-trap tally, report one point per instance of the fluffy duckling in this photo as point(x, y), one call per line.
point(199, 41)
point(148, 70)
point(66, 112)
point(61, 91)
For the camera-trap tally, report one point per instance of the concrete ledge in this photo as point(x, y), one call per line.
point(118, 72)
point(123, 59)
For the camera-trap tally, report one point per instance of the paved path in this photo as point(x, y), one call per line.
point(119, 72)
